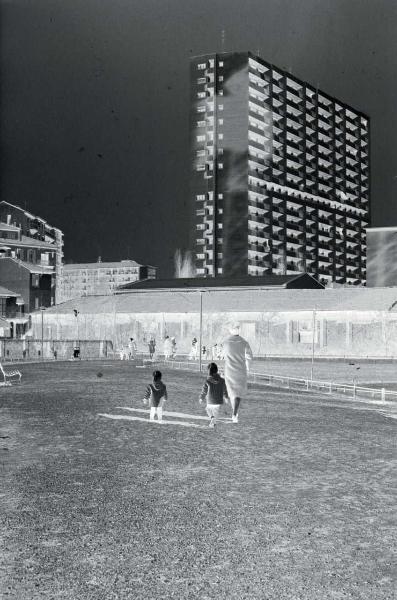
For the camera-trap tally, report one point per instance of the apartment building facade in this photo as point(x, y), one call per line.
point(90, 279)
point(280, 178)
point(31, 253)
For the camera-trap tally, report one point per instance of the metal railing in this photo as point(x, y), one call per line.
point(350, 390)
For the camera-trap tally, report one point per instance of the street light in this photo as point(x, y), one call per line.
point(201, 329)
point(42, 309)
point(313, 342)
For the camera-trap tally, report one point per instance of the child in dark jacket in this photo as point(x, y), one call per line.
point(156, 393)
point(214, 391)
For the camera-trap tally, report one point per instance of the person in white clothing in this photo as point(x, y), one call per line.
point(237, 355)
point(167, 348)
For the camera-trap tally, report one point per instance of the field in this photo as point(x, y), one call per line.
point(294, 502)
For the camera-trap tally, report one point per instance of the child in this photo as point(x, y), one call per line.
point(156, 393)
point(214, 391)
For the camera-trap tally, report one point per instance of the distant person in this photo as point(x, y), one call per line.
point(214, 392)
point(237, 355)
point(76, 352)
point(173, 347)
point(193, 349)
point(204, 352)
point(131, 349)
point(156, 394)
point(167, 348)
point(152, 348)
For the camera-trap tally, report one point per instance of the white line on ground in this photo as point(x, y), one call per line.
point(130, 418)
point(171, 414)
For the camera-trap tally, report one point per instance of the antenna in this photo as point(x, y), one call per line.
point(223, 39)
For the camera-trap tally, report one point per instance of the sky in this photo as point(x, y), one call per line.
point(94, 105)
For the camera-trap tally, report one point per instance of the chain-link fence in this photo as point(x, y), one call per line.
point(31, 350)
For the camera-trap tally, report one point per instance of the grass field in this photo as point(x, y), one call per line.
point(294, 502)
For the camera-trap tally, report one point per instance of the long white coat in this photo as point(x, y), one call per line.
point(236, 351)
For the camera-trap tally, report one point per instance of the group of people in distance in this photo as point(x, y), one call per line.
point(216, 389)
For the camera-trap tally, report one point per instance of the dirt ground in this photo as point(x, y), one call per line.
point(294, 502)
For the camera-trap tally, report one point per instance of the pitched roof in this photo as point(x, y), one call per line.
point(299, 280)
point(238, 300)
point(43, 270)
point(6, 293)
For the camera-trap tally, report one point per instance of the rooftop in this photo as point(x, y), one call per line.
point(101, 265)
point(298, 281)
point(256, 300)
point(40, 269)
point(5, 293)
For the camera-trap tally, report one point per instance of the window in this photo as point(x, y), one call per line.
point(220, 136)
point(201, 138)
point(200, 123)
point(220, 211)
point(201, 108)
point(200, 168)
point(200, 197)
point(220, 151)
point(220, 64)
point(220, 196)
point(220, 78)
point(201, 95)
point(220, 225)
point(220, 270)
point(201, 80)
point(220, 121)
point(220, 165)
point(211, 63)
point(220, 106)
point(220, 92)
point(201, 66)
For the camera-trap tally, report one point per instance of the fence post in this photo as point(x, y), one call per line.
point(354, 390)
point(383, 394)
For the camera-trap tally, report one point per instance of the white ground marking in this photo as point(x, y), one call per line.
point(172, 414)
point(129, 418)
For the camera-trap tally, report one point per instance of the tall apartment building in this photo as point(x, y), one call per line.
point(100, 278)
point(280, 173)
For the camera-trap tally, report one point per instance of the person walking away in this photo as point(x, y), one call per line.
point(156, 395)
point(237, 355)
point(152, 348)
point(131, 349)
point(167, 348)
point(193, 350)
point(173, 347)
point(214, 392)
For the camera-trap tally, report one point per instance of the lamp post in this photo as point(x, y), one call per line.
point(201, 329)
point(313, 342)
point(42, 309)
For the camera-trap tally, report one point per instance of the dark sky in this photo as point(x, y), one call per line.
point(95, 105)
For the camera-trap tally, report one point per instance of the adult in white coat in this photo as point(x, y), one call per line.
point(237, 354)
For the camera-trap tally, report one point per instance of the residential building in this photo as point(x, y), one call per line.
point(12, 314)
point(29, 244)
point(382, 256)
point(280, 179)
point(87, 279)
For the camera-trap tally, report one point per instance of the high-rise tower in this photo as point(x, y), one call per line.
point(280, 178)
